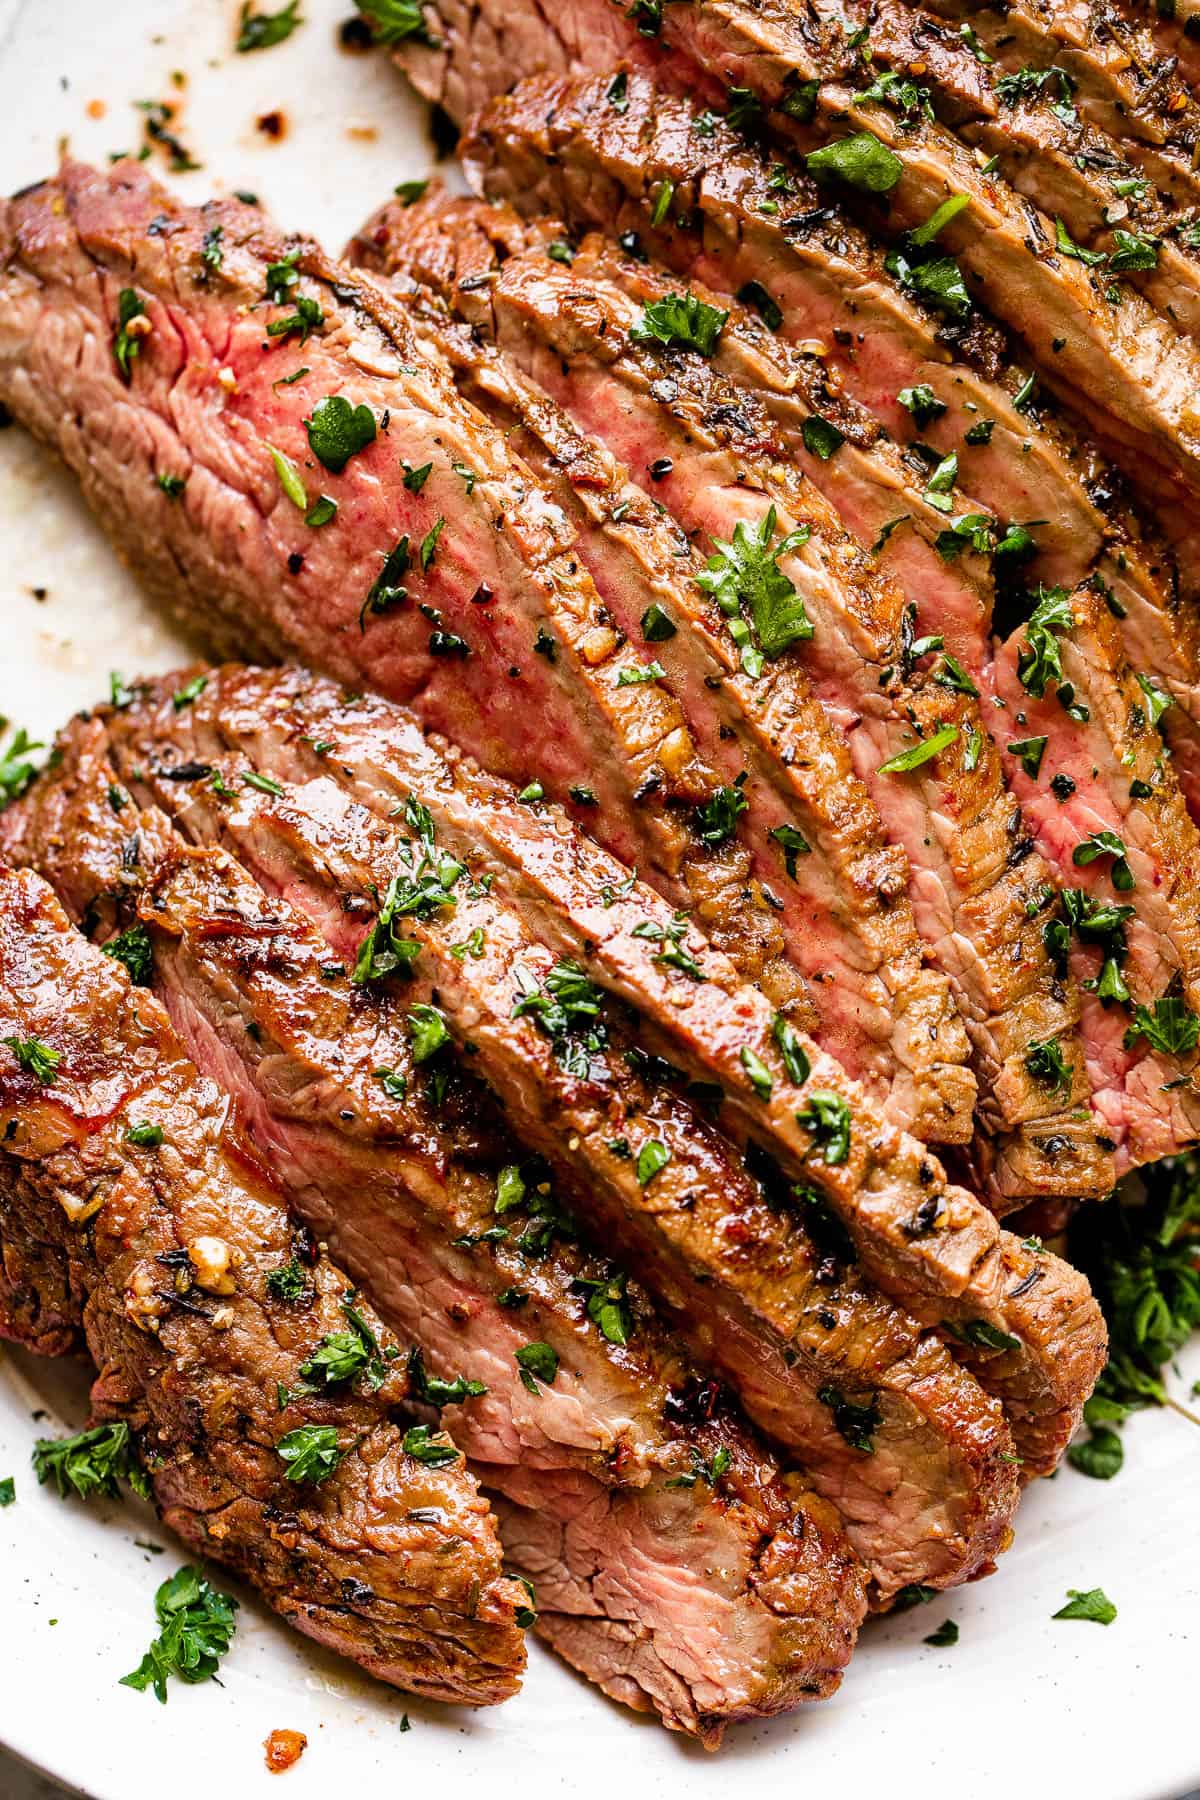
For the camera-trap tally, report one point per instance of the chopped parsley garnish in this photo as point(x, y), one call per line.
point(432, 1390)
point(860, 161)
point(91, 1462)
point(288, 1283)
point(428, 1032)
point(980, 1335)
point(1040, 659)
point(607, 1305)
point(680, 321)
point(282, 277)
point(652, 1158)
point(821, 437)
point(567, 1009)
point(1135, 250)
point(716, 819)
point(171, 485)
point(980, 432)
point(746, 573)
point(197, 1624)
point(132, 948)
point(921, 752)
point(922, 403)
point(337, 431)
point(900, 93)
point(709, 1472)
point(409, 192)
point(793, 843)
point(657, 625)
point(387, 589)
point(937, 281)
point(951, 674)
point(946, 1634)
point(1169, 1027)
point(757, 1072)
point(856, 1423)
point(289, 478)
point(192, 691)
point(306, 318)
point(640, 674)
point(1105, 843)
point(754, 294)
point(429, 543)
point(344, 1356)
point(259, 31)
point(1029, 753)
point(144, 1136)
point(1093, 1605)
point(1047, 1065)
point(396, 21)
point(536, 1363)
point(1157, 701)
point(35, 1058)
point(795, 1057)
point(127, 345)
point(1065, 244)
point(827, 1118)
point(8, 1490)
point(434, 1450)
point(16, 771)
point(311, 1453)
point(211, 253)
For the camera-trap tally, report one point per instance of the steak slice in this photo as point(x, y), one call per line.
point(493, 624)
point(554, 895)
point(574, 332)
point(607, 1447)
point(1103, 802)
point(819, 850)
point(165, 1252)
point(562, 146)
point(1175, 28)
point(1125, 367)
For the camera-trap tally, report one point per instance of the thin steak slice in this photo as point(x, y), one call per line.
point(411, 1184)
point(121, 1177)
point(446, 576)
point(741, 223)
point(1103, 802)
point(555, 895)
point(1126, 367)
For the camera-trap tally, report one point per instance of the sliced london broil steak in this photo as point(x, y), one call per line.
point(407, 1171)
point(120, 1178)
point(1126, 367)
point(741, 223)
point(432, 566)
point(558, 906)
point(820, 854)
point(722, 471)
point(777, 1308)
point(723, 440)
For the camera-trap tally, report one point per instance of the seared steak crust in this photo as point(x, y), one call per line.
point(497, 633)
point(163, 1253)
point(411, 1190)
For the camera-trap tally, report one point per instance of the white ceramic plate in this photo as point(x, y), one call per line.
point(1021, 1704)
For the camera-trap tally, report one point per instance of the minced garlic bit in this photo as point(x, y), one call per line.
point(213, 1261)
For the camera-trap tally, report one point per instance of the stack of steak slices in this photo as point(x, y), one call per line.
point(261, 1390)
point(1083, 752)
point(757, 898)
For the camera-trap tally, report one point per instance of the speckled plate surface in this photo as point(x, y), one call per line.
point(1020, 1704)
